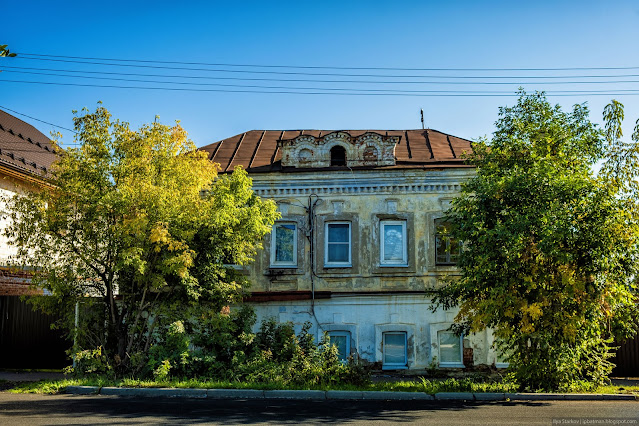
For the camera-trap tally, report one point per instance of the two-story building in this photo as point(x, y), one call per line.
point(26, 338)
point(26, 156)
point(360, 247)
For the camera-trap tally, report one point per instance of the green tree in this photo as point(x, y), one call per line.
point(549, 248)
point(621, 167)
point(139, 223)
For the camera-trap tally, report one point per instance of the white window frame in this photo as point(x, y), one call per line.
point(449, 364)
point(343, 333)
point(280, 264)
point(382, 261)
point(394, 366)
point(350, 246)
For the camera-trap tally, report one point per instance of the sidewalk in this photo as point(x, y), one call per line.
point(30, 376)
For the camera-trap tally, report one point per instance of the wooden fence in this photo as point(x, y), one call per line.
point(26, 337)
point(627, 359)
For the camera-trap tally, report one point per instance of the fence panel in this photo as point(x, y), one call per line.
point(26, 337)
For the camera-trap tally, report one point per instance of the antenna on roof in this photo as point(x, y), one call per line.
point(421, 111)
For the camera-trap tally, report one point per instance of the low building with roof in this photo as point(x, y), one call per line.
point(361, 243)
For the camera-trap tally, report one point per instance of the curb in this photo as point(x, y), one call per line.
point(339, 395)
point(295, 394)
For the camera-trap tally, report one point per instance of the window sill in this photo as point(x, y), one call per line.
point(451, 365)
point(393, 265)
point(233, 266)
point(394, 367)
point(502, 365)
point(283, 267)
point(333, 266)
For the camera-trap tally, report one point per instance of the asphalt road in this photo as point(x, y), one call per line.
point(18, 409)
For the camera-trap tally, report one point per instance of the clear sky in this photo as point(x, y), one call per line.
point(374, 34)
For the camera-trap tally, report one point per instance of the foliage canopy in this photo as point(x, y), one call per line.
point(137, 223)
point(550, 249)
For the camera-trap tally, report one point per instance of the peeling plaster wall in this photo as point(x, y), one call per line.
point(364, 198)
point(366, 317)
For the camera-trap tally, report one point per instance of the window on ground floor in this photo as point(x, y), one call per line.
point(341, 339)
point(450, 349)
point(394, 350)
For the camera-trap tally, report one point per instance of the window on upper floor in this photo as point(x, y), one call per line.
point(447, 248)
point(338, 156)
point(284, 244)
point(338, 244)
point(393, 243)
point(394, 350)
point(450, 349)
point(341, 339)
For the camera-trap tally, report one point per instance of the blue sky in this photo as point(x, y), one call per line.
point(410, 34)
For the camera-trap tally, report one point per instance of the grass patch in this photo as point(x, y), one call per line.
point(419, 385)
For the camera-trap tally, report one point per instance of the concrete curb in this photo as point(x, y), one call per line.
point(83, 390)
point(490, 396)
point(155, 392)
point(535, 396)
point(395, 396)
point(295, 394)
point(344, 395)
point(457, 396)
point(235, 394)
point(340, 395)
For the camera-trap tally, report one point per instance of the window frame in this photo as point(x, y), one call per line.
point(394, 366)
point(404, 261)
point(451, 364)
point(438, 237)
point(343, 333)
point(328, 264)
point(281, 264)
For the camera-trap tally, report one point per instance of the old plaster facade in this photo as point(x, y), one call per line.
point(358, 249)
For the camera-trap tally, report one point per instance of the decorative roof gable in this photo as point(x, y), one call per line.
point(369, 149)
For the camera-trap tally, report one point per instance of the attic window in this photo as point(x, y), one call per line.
point(338, 156)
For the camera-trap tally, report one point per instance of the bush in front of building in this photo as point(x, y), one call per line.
point(204, 344)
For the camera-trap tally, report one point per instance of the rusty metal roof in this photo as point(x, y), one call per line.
point(23, 147)
point(257, 150)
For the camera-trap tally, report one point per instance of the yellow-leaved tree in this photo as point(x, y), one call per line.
point(136, 223)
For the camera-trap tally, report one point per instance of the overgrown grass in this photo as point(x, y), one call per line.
point(418, 385)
